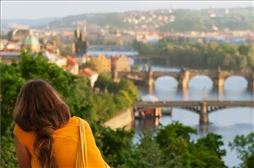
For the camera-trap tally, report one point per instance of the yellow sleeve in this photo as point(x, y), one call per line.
point(94, 156)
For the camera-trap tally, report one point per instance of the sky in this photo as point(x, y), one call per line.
point(53, 9)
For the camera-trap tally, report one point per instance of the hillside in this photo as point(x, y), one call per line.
point(167, 20)
point(7, 23)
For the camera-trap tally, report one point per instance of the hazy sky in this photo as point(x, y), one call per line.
point(43, 9)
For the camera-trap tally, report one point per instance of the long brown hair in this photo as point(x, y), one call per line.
point(40, 109)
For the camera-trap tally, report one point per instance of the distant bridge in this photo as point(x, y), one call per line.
point(184, 76)
point(203, 108)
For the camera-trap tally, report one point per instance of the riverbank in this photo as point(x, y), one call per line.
point(123, 119)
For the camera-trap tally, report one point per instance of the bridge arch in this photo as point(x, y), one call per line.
point(236, 83)
point(228, 108)
point(190, 117)
point(187, 110)
point(234, 115)
point(201, 82)
point(165, 83)
point(149, 97)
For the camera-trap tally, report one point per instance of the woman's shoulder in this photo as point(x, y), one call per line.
point(22, 135)
point(18, 130)
point(79, 119)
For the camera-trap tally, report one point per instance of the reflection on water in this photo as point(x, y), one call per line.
point(227, 122)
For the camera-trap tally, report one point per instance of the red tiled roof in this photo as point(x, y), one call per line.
point(70, 61)
point(87, 72)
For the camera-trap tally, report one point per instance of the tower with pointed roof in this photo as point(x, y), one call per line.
point(80, 43)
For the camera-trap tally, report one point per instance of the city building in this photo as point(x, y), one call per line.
point(51, 47)
point(7, 57)
point(101, 63)
point(120, 63)
point(3, 42)
point(148, 37)
point(57, 59)
point(11, 46)
point(71, 65)
point(18, 34)
point(90, 74)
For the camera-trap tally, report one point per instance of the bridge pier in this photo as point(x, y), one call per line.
point(185, 93)
point(150, 81)
point(183, 81)
point(157, 112)
point(251, 83)
point(219, 82)
point(203, 116)
point(203, 130)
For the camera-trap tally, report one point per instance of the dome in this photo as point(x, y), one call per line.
point(31, 43)
point(31, 40)
point(149, 98)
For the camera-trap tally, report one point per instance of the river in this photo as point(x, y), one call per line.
point(227, 122)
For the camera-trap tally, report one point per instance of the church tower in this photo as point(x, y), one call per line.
point(80, 40)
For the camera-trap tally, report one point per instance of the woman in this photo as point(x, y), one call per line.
point(46, 136)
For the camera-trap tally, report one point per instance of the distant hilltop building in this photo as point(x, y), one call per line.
point(148, 37)
point(80, 42)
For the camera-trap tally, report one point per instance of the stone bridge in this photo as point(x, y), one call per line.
point(203, 108)
point(183, 77)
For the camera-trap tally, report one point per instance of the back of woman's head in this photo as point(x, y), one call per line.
point(40, 109)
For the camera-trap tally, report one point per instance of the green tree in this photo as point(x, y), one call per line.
point(174, 139)
point(8, 158)
point(213, 142)
point(244, 145)
point(11, 82)
point(148, 153)
point(179, 151)
point(116, 146)
point(105, 82)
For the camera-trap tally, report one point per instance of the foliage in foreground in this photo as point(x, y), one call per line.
point(171, 146)
point(244, 145)
point(7, 152)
